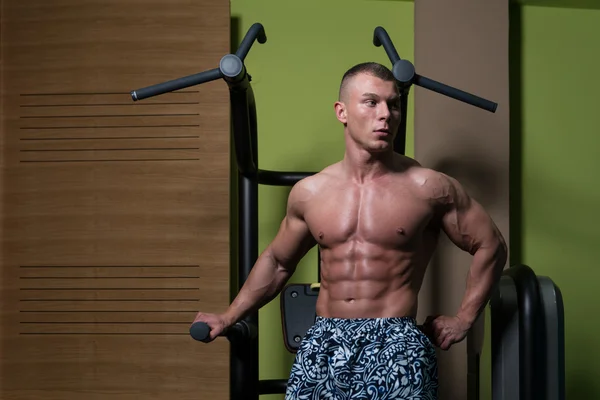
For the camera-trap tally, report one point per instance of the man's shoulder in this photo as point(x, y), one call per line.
point(425, 176)
point(308, 187)
point(431, 184)
point(316, 181)
point(414, 170)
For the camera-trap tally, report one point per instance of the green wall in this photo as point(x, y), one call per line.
point(295, 77)
point(558, 120)
point(554, 64)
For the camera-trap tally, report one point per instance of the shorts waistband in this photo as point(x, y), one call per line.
point(377, 321)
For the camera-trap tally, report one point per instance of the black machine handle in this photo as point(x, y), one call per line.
point(404, 72)
point(256, 32)
point(530, 348)
point(231, 68)
point(176, 84)
point(242, 330)
point(243, 109)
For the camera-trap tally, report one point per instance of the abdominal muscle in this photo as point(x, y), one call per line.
point(366, 281)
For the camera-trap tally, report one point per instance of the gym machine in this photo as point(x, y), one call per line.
point(527, 328)
point(524, 308)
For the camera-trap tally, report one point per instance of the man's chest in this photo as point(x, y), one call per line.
point(386, 216)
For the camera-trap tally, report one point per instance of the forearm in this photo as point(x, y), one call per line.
point(485, 271)
point(264, 283)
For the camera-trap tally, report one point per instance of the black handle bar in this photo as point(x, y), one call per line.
point(404, 72)
point(381, 38)
point(200, 331)
point(230, 67)
point(256, 32)
point(176, 84)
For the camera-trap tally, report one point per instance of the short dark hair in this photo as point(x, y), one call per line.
point(372, 68)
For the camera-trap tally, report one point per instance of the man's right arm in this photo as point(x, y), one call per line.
point(277, 262)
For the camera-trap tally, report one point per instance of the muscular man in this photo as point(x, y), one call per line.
point(376, 216)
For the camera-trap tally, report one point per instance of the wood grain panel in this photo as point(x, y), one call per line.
point(167, 306)
point(115, 214)
point(74, 145)
point(101, 135)
point(110, 317)
point(109, 272)
point(463, 44)
point(110, 120)
point(104, 110)
point(108, 283)
point(187, 96)
point(109, 155)
point(96, 294)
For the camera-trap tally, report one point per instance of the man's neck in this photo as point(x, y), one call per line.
point(361, 165)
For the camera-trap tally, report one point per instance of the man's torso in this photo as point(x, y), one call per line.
point(376, 239)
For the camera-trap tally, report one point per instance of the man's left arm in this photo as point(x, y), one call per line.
point(469, 226)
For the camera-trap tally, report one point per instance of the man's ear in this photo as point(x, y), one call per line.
point(340, 112)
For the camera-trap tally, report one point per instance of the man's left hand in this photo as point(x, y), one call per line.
point(445, 331)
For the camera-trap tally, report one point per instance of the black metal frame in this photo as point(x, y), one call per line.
point(244, 382)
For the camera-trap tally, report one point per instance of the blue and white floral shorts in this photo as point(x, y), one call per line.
point(379, 358)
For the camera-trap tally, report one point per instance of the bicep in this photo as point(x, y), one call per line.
point(294, 239)
point(292, 242)
point(470, 227)
point(467, 223)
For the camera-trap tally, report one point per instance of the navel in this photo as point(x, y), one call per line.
point(400, 231)
point(321, 235)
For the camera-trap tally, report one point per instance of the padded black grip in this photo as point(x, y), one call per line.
point(200, 331)
point(240, 331)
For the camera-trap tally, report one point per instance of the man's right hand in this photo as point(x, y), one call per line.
point(444, 331)
point(218, 324)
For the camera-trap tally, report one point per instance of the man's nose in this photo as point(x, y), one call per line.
point(384, 111)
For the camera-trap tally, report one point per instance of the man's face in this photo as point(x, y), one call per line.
point(370, 109)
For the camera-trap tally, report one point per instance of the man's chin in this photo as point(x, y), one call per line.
point(378, 152)
point(380, 147)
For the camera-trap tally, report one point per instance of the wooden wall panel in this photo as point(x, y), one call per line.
point(462, 43)
point(115, 214)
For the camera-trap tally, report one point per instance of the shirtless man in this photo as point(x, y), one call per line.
point(376, 216)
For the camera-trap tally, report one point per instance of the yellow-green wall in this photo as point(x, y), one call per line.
point(560, 140)
point(295, 77)
point(555, 138)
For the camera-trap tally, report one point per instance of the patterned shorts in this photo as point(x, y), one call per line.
point(380, 358)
